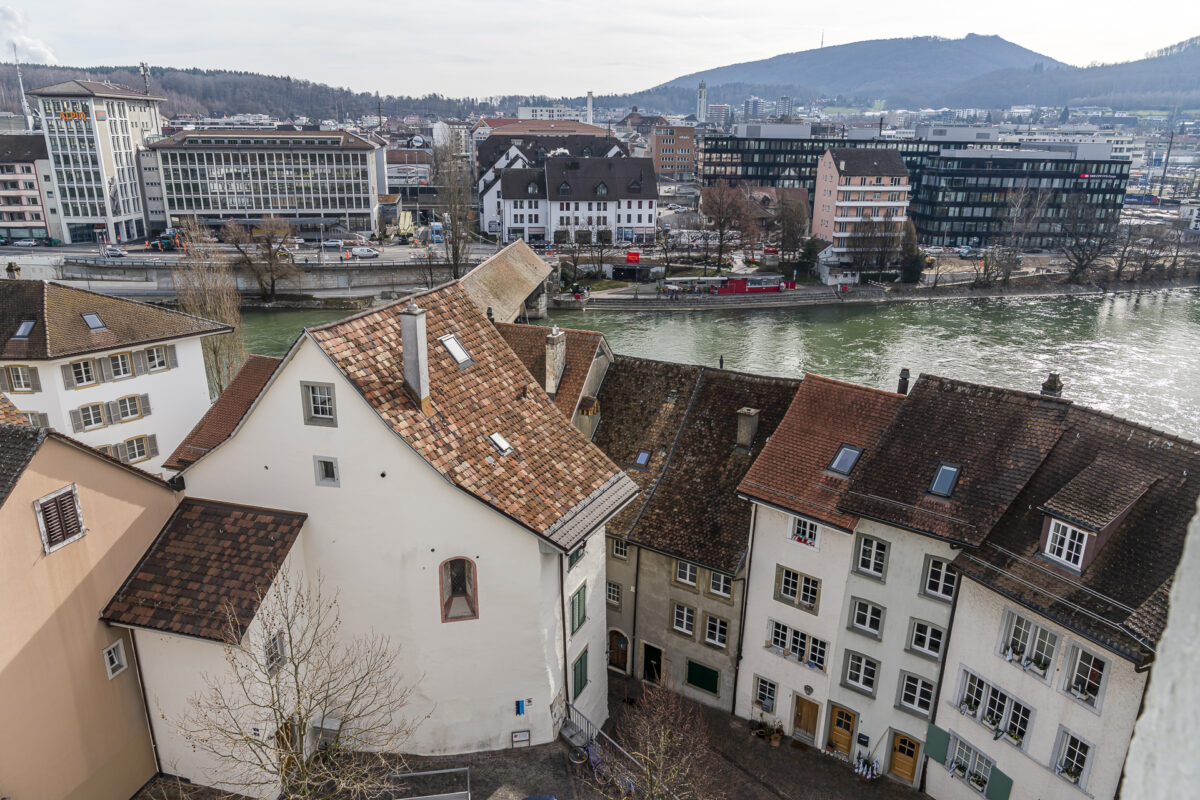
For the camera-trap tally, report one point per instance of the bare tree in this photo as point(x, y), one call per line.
point(205, 287)
point(456, 196)
point(262, 252)
point(725, 210)
point(671, 244)
point(874, 244)
point(792, 222)
point(1087, 235)
point(1024, 214)
point(300, 709)
point(1125, 252)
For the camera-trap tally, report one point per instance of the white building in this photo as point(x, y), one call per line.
point(549, 112)
point(124, 377)
point(453, 134)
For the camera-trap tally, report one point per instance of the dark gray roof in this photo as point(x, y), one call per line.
point(18, 443)
point(582, 178)
point(92, 89)
point(868, 161)
point(537, 148)
point(21, 148)
point(514, 183)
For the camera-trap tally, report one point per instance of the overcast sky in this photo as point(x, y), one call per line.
point(475, 48)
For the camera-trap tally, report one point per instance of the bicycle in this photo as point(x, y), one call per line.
point(602, 772)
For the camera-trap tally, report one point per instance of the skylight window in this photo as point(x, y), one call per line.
point(455, 349)
point(643, 458)
point(500, 443)
point(846, 458)
point(24, 329)
point(945, 479)
point(94, 322)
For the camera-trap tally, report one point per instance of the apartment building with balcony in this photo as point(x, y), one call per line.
point(25, 193)
point(673, 149)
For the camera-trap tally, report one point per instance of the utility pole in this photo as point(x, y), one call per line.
point(21, 88)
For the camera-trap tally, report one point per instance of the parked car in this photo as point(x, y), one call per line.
point(50, 241)
point(25, 243)
point(111, 251)
point(332, 244)
point(364, 252)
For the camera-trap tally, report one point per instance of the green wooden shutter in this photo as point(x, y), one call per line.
point(999, 785)
point(703, 677)
point(937, 745)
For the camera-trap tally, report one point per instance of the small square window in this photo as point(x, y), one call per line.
point(114, 659)
point(764, 694)
point(845, 459)
point(716, 631)
point(643, 458)
point(60, 518)
point(120, 365)
point(156, 358)
point(867, 617)
point(24, 329)
point(1066, 544)
point(620, 548)
point(684, 619)
point(455, 349)
point(872, 556)
point(945, 479)
point(805, 532)
point(136, 449)
point(94, 322)
point(83, 373)
point(685, 573)
point(500, 443)
point(128, 407)
point(720, 584)
point(327, 473)
point(613, 593)
point(319, 404)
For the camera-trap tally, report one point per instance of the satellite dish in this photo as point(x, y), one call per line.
point(418, 141)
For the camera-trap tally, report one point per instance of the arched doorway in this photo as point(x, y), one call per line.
point(618, 651)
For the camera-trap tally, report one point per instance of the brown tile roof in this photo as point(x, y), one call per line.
point(686, 418)
point(224, 415)
point(9, 415)
point(793, 470)
point(997, 436)
point(583, 178)
point(1120, 600)
point(59, 330)
point(75, 88)
point(502, 282)
point(554, 482)
point(206, 570)
point(1096, 497)
point(550, 127)
point(529, 343)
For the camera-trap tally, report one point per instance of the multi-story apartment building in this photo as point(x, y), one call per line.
point(93, 132)
point(25, 201)
point(454, 135)
point(673, 149)
point(719, 114)
point(549, 112)
point(860, 204)
point(124, 377)
point(310, 178)
point(784, 106)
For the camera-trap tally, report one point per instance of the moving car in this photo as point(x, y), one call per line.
point(25, 243)
point(111, 251)
point(332, 244)
point(364, 252)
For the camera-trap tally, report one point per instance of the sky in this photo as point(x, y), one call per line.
point(470, 48)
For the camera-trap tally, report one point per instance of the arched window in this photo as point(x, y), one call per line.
point(532, 187)
point(564, 188)
point(601, 190)
point(459, 600)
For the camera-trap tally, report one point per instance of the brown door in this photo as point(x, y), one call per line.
point(804, 724)
point(904, 757)
point(618, 650)
point(841, 729)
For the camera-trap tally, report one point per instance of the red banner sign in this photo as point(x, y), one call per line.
point(633, 258)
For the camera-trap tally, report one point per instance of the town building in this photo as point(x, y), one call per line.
point(74, 523)
point(93, 133)
point(26, 190)
point(454, 135)
point(754, 108)
point(549, 112)
point(673, 149)
point(121, 376)
point(408, 167)
point(720, 114)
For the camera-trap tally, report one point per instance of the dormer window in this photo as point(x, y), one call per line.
point(846, 458)
point(532, 188)
point(564, 188)
point(945, 479)
point(601, 190)
point(24, 329)
point(587, 152)
point(455, 349)
point(500, 443)
point(1066, 544)
point(94, 322)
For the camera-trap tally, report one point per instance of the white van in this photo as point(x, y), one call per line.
point(364, 252)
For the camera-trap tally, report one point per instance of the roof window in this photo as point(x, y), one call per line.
point(94, 322)
point(643, 458)
point(24, 329)
point(945, 479)
point(846, 458)
point(564, 188)
point(455, 349)
point(500, 443)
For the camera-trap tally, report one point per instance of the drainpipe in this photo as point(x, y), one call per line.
point(562, 606)
point(958, 584)
point(737, 661)
point(637, 575)
point(137, 667)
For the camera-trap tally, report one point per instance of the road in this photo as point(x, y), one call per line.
point(312, 254)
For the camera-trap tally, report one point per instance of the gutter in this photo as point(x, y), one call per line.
point(737, 663)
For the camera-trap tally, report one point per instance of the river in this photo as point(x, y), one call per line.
point(1136, 356)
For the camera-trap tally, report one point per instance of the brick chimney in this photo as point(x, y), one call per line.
point(747, 429)
point(1052, 387)
point(902, 386)
point(414, 345)
point(556, 358)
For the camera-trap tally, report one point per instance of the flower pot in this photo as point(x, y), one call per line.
point(776, 738)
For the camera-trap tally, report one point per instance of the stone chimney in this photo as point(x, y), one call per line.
point(902, 386)
point(414, 346)
point(747, 429)
point(556, 358)
point(1052, 387)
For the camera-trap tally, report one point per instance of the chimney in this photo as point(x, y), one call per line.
point(589, 108)
point(414, 347)
point(747, 429)
point(842, 167)
point(1052, 387)
point(556, 358)
point(902, 387)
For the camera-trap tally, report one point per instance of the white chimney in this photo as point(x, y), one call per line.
point(414, 348)
point(747, 429)
point(556, 358)
point(842, 167)
point(589, 113)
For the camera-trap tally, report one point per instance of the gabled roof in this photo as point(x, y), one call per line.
point(868, 161)
point(60, 331)
point(223, 416)
point(685, 418)
point(1120, 599)
point(9, 415)
point(622, 178)
point(553, 481)
point(536, 148)
point(503, 281)
point(514, 183)
point(998, 437)
point(75, 88)
point(582, 348)
point(207, 570)
point(792, 472)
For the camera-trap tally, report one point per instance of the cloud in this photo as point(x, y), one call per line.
point(13, 31)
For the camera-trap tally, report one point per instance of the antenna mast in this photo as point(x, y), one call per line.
point(21, 87)
point(146, 76)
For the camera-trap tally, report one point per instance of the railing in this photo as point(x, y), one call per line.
point(439, 795)
point(630, 769)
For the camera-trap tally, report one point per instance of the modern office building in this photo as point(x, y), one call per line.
point(93, 132)
point(784, 106)
point(24, 166)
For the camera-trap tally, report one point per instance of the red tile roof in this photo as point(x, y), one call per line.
point(529, 343)
point(207, 570)
point(9, 415)
point(554, 481)
point(793, 470)
point(224, 415)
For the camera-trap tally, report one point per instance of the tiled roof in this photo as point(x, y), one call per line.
point(1096, 497)
point(206, 570)
point(554, 482)
point(793, 470)
point(536, 147)
point(18, 443)
point(502, 282)
point(9, 415)
point(224, 415)
point(19, 148)
point(582, 178)
point(1120, 599)
point(514, 183)
point(529, 343)
point(868, 161)
point(59, 329)
point(75, 88)
point(997, 436)
point(685, 417)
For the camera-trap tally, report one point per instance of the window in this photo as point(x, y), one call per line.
point(320, 407)
point(136, 449)
point(642, 458)
point(845, 459)
point(764, 694)
point(685, 573)
point(939, 579)
point(805, 532)
point(579, 675)
point(991, 706)
point(614, 593)
point(273, 652)
point(810, 592)
point(970, 765)
point(867, 617)
point(926, 639)
point(620, 548)
point(458, 588)
point(564, 188)
point(500, 443)
point(916, 693)
point(861, 672)
point(60, 518)
point(128, 407)
point(1066, 544)
point(703, 677)
point(120, 365)
point(24, 329)
point(944, 479)
point(1072, 757)
point(720, 584)
point(326, 471)
point(789, 585)
point(716, 631)
point(91, 416)
point(872, 556)
point(114, 659)
point(93, 322)
point(455, 349)
point(19, 379)
point(579, 608)
point(685, 619)
point(576, 556)
point(1029, 646)
point(1087, 677)
point(83, 373)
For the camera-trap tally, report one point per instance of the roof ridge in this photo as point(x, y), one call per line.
point(1003, 390)
point(366, 312)
point(1138, 426)
point(229, 504)
point(850, 385)
point(715, 370)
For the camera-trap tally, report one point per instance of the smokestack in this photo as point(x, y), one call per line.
point(1052, 387)
point(556, 358)
point(414, 348)
point(747, 429)
point(589, 113)
point(902, 386)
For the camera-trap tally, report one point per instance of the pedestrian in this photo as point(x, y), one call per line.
point(635, 293)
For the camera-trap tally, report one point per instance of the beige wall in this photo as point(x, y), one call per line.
point(69, 731)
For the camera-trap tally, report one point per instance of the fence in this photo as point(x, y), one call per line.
point(435, 783)
point(628, 771)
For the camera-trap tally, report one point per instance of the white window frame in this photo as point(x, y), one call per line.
point(274, 651)
point(862, 664)
point(319, 473)
point(620, 549)
point(945, 578)
point(1063, 539)
point(80, 367)
point(1076, 655)
point(805, 532)
point(766, 692)
point(716, 631)
point(42, 522)
point(143, 443)
point(131, 403)
point(19, 378)
point(1061, 745)
point(860, 607)
point(995, 715)
point(310, 392)
point(685, 572)
point(918, 684)
point(1035, 644)
point(927, 635)
point(114, 659)
point(877, 551)
point(685, 624)
point(125, 361)
point(156, 359)
point(613, 593)
point(972, 759)
point(455, 348)
point(720, 584)
point(83, 416)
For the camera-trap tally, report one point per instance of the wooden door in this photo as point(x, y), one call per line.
point(618, 650)
point(804, 724)
point(904, 757)
point(841, 729)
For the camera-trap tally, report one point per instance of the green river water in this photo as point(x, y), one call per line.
point(1137, 356)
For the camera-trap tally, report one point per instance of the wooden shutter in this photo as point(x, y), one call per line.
point(4, 385)
point(999, 786)
point(60, 518)
point(172, 360)
point(140, 365)
point(121, 451)
point(152, 445)
point(937, 744)
point(76, 420)
point(35, 380)
point(68, 376)
point(43, 420)
point(112, 414)
point(144, 404)
point(102, 369)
